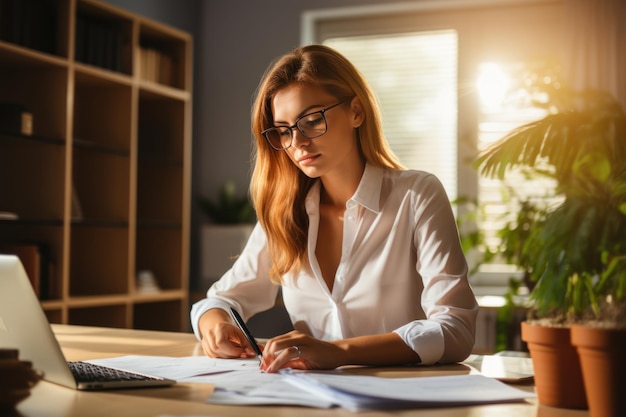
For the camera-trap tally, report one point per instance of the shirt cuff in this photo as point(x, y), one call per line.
point(425, 338)
point(201, 307)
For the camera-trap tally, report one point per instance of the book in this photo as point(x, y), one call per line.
point(30, 257)
point(39, 267)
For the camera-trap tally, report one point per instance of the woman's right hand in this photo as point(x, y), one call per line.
point(221, 338)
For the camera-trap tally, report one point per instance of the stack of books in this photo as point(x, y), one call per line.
point(99, 42)
point(155, 66)
point(39, 268)
point(29, 23)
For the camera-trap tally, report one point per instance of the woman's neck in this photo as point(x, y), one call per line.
point(339, 187)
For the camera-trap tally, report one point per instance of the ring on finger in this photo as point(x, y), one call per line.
point(298, 352)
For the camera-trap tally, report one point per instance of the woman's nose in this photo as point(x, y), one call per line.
point(298, 139)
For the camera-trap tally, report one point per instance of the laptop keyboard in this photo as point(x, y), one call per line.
point(88, 372)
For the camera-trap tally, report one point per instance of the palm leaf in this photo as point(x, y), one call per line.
point(560, 140)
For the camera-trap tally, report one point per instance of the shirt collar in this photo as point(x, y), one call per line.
point(367, 193)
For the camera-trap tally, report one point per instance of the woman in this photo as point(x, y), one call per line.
point(367, 254)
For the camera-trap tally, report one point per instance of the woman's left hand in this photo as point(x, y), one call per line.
point(297, 350)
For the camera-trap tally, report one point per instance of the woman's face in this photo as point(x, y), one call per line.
point(334, 151)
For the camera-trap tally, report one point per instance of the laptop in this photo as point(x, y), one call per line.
point(24, 326)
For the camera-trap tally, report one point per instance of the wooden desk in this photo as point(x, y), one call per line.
point(79, 343)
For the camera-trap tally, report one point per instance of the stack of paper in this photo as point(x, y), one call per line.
point(356, 392)
point(241, 382)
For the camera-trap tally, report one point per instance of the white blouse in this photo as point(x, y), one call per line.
point(401, 269)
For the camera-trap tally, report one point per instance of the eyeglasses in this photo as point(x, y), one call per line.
point(312, 125)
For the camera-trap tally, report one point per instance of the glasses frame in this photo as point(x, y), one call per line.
point(295, 126)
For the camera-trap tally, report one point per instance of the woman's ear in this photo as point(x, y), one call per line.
point(357, 111)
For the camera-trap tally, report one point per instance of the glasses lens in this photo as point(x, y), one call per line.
point(312, 125)
point(279, 137)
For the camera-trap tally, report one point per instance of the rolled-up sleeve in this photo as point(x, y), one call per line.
point(245, 287)
point(448, 332)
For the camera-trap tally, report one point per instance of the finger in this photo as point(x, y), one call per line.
point(206, 348)
point(213, 347)
point(294, 350)
point(280, 342)
point(228, 342)
point(281, 358)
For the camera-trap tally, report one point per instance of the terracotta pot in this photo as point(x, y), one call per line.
point(601, 352)
point(558, 376)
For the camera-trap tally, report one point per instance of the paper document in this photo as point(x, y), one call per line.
point(505, 368)
point(257, 388)
point(356, 392)
point(239, 381)
point(177, 368)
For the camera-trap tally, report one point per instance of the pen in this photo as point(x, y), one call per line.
point(246, 332)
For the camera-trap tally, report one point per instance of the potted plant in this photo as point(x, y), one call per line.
point(575, 250)
point(229, 207)
point(479, 252)
point(232, 219)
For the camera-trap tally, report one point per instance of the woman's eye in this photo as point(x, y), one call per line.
point(314, 120)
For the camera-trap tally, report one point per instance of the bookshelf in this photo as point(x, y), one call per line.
point(99, 188)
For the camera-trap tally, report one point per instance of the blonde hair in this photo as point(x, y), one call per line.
point(278, 188)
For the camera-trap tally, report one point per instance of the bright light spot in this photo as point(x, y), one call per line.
point(491, 301)
point(493, 84)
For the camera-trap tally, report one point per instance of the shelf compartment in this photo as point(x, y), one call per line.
point(159, 251)
point(162, 56)
point(102, 112)
point(40, 90)
point(34, 190)
point(103, 316)
point(161, 128)
point(35, 24)
point(160, 159)
point(101, 186)
point(162, 315)
point(99, 261)
point(49, 239)
point(159, 194)
point(103, 38)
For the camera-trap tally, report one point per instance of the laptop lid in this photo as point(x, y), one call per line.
point(24, 325)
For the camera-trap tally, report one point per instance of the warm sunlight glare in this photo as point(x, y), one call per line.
point(492, 84)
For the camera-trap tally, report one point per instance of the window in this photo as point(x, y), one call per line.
point(440, 71)
point(504, 104)
point(415, 80)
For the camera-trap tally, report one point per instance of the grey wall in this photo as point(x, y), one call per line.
point(234, 42)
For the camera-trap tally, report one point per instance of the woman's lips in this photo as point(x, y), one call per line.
point(306, 160)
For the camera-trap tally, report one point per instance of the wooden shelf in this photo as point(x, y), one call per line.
point(102, 185)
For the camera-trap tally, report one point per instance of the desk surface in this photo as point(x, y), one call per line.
point(80, 343)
